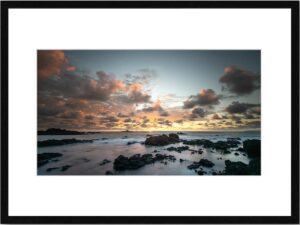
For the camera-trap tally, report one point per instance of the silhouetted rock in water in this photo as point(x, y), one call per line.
point(193, 166)
point(202, 162)
point(109, 173)
point(234, 139)
point(181, 133)
point(225, 152)
point(236, 153)
point(58, 131)
point(240, 168)
point(200, 152)
point(241, 150)
point(175, 136)
point(66, 167)
point(125, 137)
point(44, 158)
point(104, 138)
point(53, 142)
point(162, 140)
point(137, 161)
point(105, 161)
point(155, 151)
point(224, 145)
point(52, 168)
point(254, 167)
point(126, 131)
point(178, 149)
point(252, 148)
point(132, 142)
point(181, 160)
point(235, 168)
point(202, 142)
point(206, 163)
point(200, 172)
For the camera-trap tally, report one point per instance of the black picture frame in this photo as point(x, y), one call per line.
point(294, 218)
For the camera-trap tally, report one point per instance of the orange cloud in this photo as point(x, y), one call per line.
point(50, 62)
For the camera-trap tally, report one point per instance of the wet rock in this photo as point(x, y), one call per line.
point(236, 154)
point(66, 167)
point(44, 158)
point(235, 168)
point(202, 142)
point(174, 136)
point(104, 138)
point(225, 152)
point(252, 148)
point(241, 150)
point(181, 160)
point(52, 168)
point(193, 166)
point(178, 149)
point(132, 142)
point(181, 133)
point(137, 161)
point(254, 167)
point(206, 163)
point(52, 142)
point(109, 173)
point(200, 172)
point(214, 173)
point(162, 140)
point(125, 137)
point(105, 161)
point(234, 139)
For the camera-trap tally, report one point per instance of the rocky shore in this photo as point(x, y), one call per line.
point(166, 149)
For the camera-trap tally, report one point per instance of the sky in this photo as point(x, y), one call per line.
point(149, 90)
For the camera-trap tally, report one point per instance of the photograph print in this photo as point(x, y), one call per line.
point(149, 112)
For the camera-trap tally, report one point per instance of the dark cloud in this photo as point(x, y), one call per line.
point(206, 97)
point(165, 122)
point(81, 87)
point(156, 107)
point(50, 106)
point(89, 117)
point(109, 119)
point(199, 112)
point(179, 121)
point(71, 115)
point(239, 81)
point(164, 113)
point(237, 107)
point(121, 115)
point(128, 120)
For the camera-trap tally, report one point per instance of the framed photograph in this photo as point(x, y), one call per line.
point(150, 112)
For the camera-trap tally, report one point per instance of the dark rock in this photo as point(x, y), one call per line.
point(181, 160)
point(252, 148)
point(138, 161)
point(200, 172)
point(214, 173)
point(58, 131)
point(66, 167)
point(53, 142)
point(235, 168)
point(200, 152)
point(162, 140)
point(52, 168)
point(105, 161)
point(132, 142)
point(202, 142)
point(241, 150)
point(124, 137)
point(225, 152)
point(181, 133)
point(44, 158)
point(236, 154)
point(206, 163)
point(234, 139)
point(109, 173)
point(254, 167)
point(193, 166)
point(178, 149)
point(175, 136)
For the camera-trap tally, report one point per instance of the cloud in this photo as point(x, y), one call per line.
point(121, 115)
point(179, 121)
point(216, 117)
point(206, 97)
point(156, 107)
point(71, 115)
point(109, 119)
point(128, 120)
point(89, 117)
point(165, 122)
point(50, 62)
point(50, 106)
point(82, 87)
point(237, 107)
point(198, 112)
point(239, 81)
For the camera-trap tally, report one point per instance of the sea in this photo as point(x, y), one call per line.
point(87, 158)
